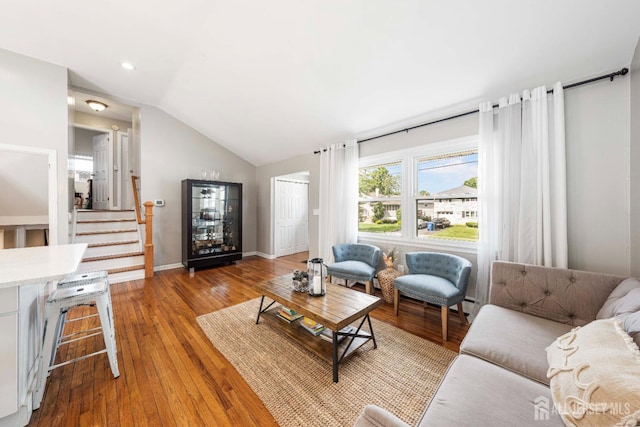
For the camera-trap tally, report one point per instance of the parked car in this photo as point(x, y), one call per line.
point(441, 222)
point(422, 223)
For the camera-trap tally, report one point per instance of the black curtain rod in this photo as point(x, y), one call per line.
point(609, 76)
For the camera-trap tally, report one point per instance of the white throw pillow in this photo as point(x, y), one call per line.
point(595, 375)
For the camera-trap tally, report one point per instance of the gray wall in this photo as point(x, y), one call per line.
point(634, 258)
point(33, 113)
point(170, 152)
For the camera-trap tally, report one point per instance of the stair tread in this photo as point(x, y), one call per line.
point(90, 233)
point(104, 210)
point(104, 221)
point(115, 256)
point(123, 269)
point(124, 242)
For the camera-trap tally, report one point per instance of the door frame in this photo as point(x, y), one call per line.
point(274, 220)
point(52, 184)
point(112, 172)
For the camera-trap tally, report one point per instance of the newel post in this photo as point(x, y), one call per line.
point(148, 243)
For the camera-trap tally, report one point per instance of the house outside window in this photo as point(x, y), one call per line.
point(380, 191)
point(425, 196)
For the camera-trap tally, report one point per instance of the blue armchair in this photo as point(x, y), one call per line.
point(355, 261)
point(435, 278)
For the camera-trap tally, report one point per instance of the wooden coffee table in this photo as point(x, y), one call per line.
point(338, 308)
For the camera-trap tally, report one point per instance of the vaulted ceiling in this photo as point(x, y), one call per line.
point(271, 80)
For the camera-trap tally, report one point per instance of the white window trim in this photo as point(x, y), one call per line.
point(408, 159)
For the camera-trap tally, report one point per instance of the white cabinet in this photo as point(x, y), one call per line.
point(9, 362)
point(21, 326)
point(27, 276)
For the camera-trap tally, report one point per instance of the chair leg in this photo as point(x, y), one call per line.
point(463, 319)
point(445, 322)
point(328, 278)
point(396, 301)
point(368, 286)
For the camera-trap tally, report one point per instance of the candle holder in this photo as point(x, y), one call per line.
point(317, 272)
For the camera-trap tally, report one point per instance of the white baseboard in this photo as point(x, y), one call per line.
point(263, 255)
point(246, 254)
point(168, 267)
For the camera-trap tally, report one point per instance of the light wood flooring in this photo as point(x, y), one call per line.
point(170, 373)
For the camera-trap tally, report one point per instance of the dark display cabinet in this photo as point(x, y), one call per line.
point(211, 223)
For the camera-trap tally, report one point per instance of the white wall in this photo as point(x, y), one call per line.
point(33, 113)
point(97, 121)
point(634, 159)
point(597, 135)
point(170, 152)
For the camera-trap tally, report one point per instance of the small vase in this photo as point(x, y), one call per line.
point(386, 278)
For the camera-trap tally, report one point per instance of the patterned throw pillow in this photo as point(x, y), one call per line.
point(595, 375)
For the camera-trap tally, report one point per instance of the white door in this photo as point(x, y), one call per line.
point(100, 190)
point(291, 217)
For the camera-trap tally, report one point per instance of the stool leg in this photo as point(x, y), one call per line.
point(106, 320)
point(52, 316)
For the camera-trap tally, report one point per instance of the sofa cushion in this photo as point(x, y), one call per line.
point(595, 375)
point(566, 296)
point(624, 303)
point(478, 393)
point(513, 340)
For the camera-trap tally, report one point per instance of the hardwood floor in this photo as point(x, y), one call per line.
point(170, 373)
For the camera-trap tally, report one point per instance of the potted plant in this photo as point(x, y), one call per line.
point(388, 275)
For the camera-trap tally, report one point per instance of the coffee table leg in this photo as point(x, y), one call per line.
point(373, 337)
point(335, 357)
point(260, 309)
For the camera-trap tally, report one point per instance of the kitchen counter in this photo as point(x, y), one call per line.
point(25, 266)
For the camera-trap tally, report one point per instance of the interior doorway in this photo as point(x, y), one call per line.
point(291, 213)
point(102, 154)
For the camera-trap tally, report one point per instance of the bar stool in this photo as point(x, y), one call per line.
point(87, 289)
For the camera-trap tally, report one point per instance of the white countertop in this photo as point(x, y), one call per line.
point(41, 264)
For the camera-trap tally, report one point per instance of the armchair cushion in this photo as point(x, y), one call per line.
point(451, 267)
point(352, 270)
point(433, 289)
point(354, 261)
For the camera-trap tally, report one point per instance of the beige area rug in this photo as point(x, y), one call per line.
point(296, 386)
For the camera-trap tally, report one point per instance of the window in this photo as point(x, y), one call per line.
point(436, 184)
point(380, 190)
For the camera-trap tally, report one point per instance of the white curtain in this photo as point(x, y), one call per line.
point(522, 212)
point(338, 222)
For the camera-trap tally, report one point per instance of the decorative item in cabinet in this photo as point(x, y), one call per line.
point(211, 223)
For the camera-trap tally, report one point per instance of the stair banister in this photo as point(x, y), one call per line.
point(148, 221)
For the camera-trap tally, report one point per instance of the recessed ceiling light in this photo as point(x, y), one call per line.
point(96, 105)
point(127, 66)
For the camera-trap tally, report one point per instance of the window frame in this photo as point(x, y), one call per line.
point(408, 159)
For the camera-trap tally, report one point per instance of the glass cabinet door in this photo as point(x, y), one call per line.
point(214, 218)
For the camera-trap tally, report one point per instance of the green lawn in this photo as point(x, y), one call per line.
point(378, 228)
point(458, 232)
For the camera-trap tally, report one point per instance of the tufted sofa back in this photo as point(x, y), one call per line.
point(368, 254)
point(567, 296)
point(451, 267)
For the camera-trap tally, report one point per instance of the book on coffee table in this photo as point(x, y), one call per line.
point(327, 334)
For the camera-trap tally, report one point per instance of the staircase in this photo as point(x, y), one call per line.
point(114, 243)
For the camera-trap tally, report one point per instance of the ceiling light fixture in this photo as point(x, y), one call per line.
point(127, 66)
point(96, 105)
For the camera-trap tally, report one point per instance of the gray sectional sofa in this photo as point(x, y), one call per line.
point(500, 376)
